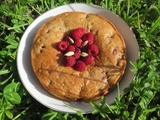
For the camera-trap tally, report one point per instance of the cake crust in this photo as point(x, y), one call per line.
point(66, 83)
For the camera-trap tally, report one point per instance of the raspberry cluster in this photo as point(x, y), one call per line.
point(79, 49)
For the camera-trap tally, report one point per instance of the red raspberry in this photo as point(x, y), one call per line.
point(66, 39)
point(80, 66)
point(89, 37)
point(93, 50)
point(70, 61)
point(78, 42)
point(77, 53)
point(71, 48)
point(78, 33)
point(89, 60)
point(62, 46)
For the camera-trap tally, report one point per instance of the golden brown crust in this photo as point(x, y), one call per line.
point(65, 82)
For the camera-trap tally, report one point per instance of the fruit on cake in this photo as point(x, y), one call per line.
point(78, 56)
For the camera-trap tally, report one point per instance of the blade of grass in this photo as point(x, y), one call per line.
point(155, 25)
point(34, 9)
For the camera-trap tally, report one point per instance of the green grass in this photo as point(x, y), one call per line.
point(141, 100)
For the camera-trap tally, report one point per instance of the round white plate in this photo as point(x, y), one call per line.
point(32, 84)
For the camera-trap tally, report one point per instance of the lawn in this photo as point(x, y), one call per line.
point(140, 101)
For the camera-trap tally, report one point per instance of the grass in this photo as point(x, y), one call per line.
point(139, 101)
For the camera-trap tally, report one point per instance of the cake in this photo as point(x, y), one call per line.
point(65, 82)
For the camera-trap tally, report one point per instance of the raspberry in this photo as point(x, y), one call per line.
point(78, 33)
point(62, 46)
point(66, 39)
point(79, 49)
point(70, 61)
point(78, 42)
point(89, 60)
point(71, 48)
point(80, 66)
point(89, 37)
point(93, 50)
point(77, 53)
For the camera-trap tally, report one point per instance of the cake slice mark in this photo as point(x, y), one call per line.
point(110, 67)
point(109, 71)
point(81, 96)
point(73, 75)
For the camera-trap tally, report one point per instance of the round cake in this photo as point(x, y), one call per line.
point(75, 81)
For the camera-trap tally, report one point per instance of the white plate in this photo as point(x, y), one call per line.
point(29, 79)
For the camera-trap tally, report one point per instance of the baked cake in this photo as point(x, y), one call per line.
point(87, 83)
